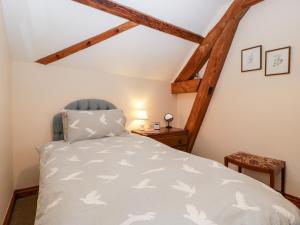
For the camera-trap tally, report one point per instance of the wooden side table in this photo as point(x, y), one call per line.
point(174, 137)
point(259, 164)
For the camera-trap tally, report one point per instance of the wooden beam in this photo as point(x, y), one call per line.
point(189, 86)
point(219, 51)
point(202, 53)
point(87, 43)
point(209, 81)
point(141, 18)
point(250, 3)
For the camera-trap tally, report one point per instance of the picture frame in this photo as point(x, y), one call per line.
point(251, 59)
point(278, 61)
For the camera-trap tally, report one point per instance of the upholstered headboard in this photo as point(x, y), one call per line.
point(84, 104)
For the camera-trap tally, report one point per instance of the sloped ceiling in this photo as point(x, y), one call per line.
point(37, 28)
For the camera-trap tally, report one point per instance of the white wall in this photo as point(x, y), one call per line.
point(249, 111)
point(39, 92)
point(5, 148)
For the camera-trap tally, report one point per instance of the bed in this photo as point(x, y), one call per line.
point(132, 179)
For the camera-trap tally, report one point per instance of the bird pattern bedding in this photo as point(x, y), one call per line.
point(136, 180)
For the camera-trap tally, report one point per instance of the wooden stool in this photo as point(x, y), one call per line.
point(259, 164)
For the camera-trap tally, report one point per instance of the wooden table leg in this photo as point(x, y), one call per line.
point(272, 180)
point(283, 181)
point(240, 169)
point(226, 162)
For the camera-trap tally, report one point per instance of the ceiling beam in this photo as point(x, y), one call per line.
point(141, 18)
point(202, 53)
point(189, 86)
point(87, 43)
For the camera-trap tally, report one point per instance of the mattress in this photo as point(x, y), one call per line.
point(136, 180)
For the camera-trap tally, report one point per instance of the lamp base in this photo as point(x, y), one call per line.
point(142, 127)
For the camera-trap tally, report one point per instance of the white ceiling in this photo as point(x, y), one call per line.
point(37, 28)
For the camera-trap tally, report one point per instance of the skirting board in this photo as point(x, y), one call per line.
point(21, 193)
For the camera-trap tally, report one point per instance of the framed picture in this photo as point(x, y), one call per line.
point(252, 59)
point(278, 61)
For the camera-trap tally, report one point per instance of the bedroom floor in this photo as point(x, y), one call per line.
point(24, 211)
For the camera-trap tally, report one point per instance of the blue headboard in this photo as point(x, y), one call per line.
point(84, 104)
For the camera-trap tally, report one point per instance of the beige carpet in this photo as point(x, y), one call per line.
point(24, 211)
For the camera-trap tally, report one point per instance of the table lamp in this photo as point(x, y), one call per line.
point(142, 116)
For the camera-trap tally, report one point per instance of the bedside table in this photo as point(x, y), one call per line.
point(174, 137)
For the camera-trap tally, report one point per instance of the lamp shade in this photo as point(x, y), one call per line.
point(141, 115)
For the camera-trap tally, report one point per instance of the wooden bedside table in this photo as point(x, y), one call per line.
point(259, 164)
point(174, 137)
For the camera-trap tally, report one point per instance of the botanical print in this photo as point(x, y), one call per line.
point(251, 59)
point(278, 61)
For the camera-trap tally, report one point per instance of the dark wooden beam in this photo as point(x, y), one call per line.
point(141, 18)
point(87, 43)
point(189, 86)
point(202, 53)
